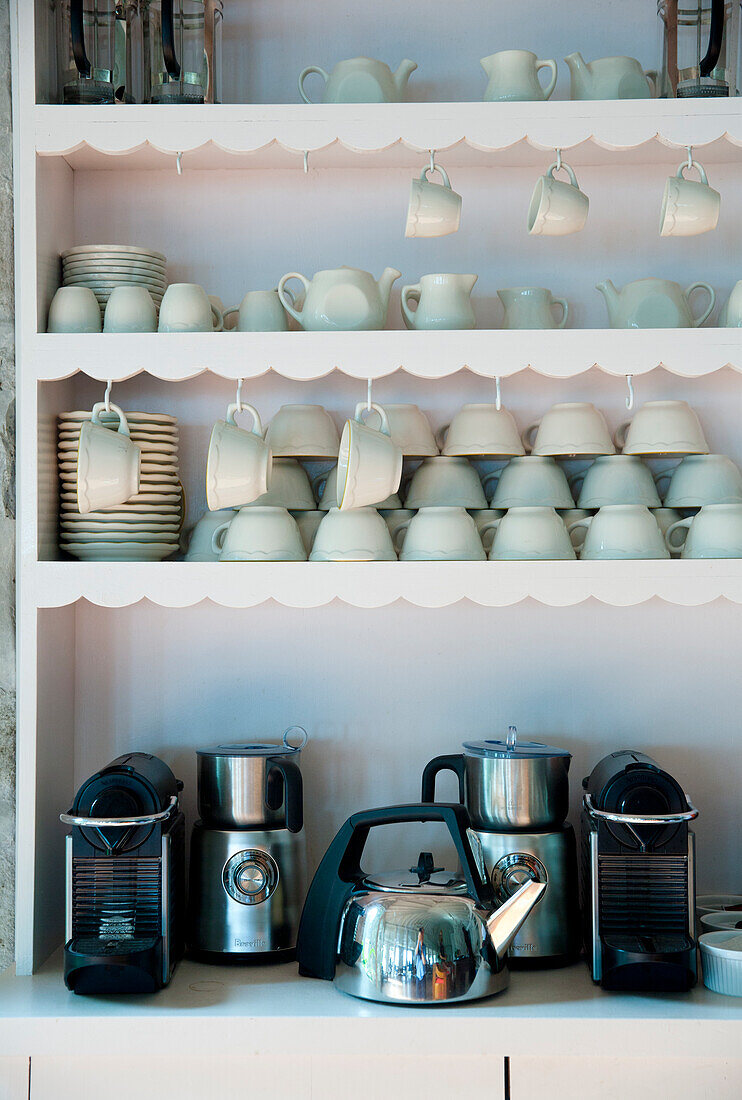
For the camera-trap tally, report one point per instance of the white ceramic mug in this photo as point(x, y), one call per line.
point(108, 462)
point(513, 77)
point(689, 207)
point(662, 427)
point(303, 431)
point(260, 311)
point(369, 461)
point(442, 534)
point(397, 520)
point(74, 309)
point(531, 307)
point(445, 483)
point(484, 519)
point(410, 430)
point(620, 531)
point(557, 208)
point(185, 307)
point(259, 534)
point(324, 485)
point(130, 309)
point(238, 467)
point(200, 547)
point(307, 522)
point(618, 479)
point(434, 209)
point(569, 428)
point(359, 534)
point(482, 430)
point(530, 481)
point(531, 534)
point(715, 532)
point(704, 479)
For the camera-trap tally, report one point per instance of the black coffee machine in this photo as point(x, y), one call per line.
point(125, 879)
point(638, 876)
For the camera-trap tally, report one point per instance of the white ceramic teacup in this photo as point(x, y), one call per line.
point(325, 485)
point(289, 487)
point(200, 546)
point(484, 519)
point(369, 465)
point(108, 463)
point(531, 534)
point(434, 209)
point(620, 531)
point(531, 307)
point(557, 208)
point(259, 311)
point(185, 307)
point(689, 207)
point(715, 532)
point(665, 518)
point(570, 516)
point(307, 522)
point(303, 431)
point(397, 520)
point(410, 429)
point(569, 428)
point(259, 534)
point(662, 427)
point(445, 483)
point(238, 467)
point(530, 481)
point(618, 479)
point(704, 479)
point(74, 309)
point(358, 534)
point(442, 534)
point(130, 309)
point(482, 430)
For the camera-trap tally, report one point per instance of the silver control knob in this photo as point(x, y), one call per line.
point(515, 870)
point(250, 876)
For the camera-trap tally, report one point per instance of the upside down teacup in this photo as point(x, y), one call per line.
point(289, 487)
point(569, 428)
point(704, 479)
point(303, 431)
point(200, 546)
point(445, 482)
point(442, 534)
point(618, 479)
point(482, 430)
point(715, 532)
point(531, 534)
point(620, 531)
point(531, 481)
point(485, 518)
point(358, 534)
point(410, 429)
point(662, 427)
point(259, 534)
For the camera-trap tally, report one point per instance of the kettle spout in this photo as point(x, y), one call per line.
point(404, 71)
point(505, 921)
point(388, 277)
point(579, 69)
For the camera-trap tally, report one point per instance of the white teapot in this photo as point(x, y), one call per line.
point(653, 303)
point(361, 80)
point(341, 299)
point(609, 78)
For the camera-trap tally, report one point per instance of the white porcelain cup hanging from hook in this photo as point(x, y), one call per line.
point(239, 464)
point(108, 461)
point(434, 209)
point(689, 207)
point(557, 207)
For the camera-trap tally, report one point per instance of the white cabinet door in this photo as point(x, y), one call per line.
point(13, 1078)
point(621, 1077)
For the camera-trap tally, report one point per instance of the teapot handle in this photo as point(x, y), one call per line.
point(340, 870)
point(712, 301)
point(283, 294)
point(305, 73)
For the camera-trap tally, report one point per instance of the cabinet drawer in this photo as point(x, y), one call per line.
point(622, 1077)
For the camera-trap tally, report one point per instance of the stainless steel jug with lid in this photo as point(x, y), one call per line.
point(183, 50)
point(700, 47)
point(99, 51)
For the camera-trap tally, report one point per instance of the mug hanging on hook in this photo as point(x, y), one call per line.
point(557, 207)
point(689, 207)
point(434, 209)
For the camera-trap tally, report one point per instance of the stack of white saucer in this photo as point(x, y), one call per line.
point(147, 526)
point(102, 267)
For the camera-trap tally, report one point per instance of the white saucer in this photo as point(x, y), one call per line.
point(125, 551)
point(79, 416)
point(112, 249)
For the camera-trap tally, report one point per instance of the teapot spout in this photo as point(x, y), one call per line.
point(388, 277)
point(609, 292)
point(504, 923)
point(404, 71)
point(579, 69)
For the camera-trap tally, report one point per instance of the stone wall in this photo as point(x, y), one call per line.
point(7, 505)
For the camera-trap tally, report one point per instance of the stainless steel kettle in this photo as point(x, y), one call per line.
point(422, 936)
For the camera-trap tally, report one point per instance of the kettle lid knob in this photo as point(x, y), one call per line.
point(425, 867)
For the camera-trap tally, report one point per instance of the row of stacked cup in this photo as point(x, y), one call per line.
point(482, 496)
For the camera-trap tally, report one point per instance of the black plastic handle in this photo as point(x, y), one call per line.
point(284, 786)
point(716, 36)
point(454, 763)
point(77, 33)
point(340, 870)
point(168, 40)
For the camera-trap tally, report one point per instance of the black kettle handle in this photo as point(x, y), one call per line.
point(340, 869)
point(454, 763)
point(168, 40)
point(77, 33)
point(284, 785)
point(716, 35)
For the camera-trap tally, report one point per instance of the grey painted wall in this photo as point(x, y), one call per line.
point(7, 504)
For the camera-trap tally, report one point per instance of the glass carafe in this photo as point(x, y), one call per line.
point(700, 47)
point(99, 51)
point(183, 48)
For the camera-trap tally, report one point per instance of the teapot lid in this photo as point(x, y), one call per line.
point(512, 748)
point(426, 878)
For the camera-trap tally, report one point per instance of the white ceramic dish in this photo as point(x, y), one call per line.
point(121, 551)
point(114, 249)
point(718, 903)
point(721, 954)
point(722, 922)
point(78, 415)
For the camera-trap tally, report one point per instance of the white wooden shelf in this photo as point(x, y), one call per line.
point(303, 356)
point(376, 584)
point(556, 1013)
point(469, 133)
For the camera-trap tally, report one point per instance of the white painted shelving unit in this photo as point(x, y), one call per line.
point(173, 655)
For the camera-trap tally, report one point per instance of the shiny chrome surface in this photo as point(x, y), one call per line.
point(223, 864)
point(553, 928)
point(644, 819)
point(120, 822)
point(231, 787)
point(517, 792)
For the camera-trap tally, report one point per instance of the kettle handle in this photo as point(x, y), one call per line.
point(454, 763)
point(340, 869)
point(284, 784)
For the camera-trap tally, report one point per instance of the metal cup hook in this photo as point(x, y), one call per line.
point(630, 398)
point(238, 402)
point(368, 395)
point(107, 398)
point(498, 395)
